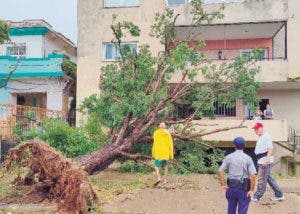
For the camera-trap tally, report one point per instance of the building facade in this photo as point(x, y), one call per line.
point(35, 54)
point(31, 77)
point(266, 24)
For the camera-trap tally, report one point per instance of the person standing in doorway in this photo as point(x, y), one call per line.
point(268, 113)
point(162, 151)
point(258, 114)
point(264, 154)
point(241, 178)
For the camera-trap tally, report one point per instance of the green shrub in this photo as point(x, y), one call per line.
point(131, 166)
point(197, 159)
point(60, 135)
point(30, 114)
point(17, 129)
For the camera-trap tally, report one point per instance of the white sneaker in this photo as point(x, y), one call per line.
point(277, 198)
point(254, 199)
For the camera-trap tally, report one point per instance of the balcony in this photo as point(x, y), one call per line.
point(31, 67)
point(226, 42)
point(238, 11)
point(278, 129)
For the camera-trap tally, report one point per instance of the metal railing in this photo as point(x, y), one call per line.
point(223, 110)
point(24, 116)
point(294, 140)
point(232, 54)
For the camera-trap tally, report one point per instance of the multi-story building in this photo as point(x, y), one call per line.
point(267, 24)
point(34, 57)
point(37, 52)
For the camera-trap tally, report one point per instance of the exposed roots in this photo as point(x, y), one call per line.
point(51, 174)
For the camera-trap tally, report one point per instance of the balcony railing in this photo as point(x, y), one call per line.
point(31, 67)
point(232, 54)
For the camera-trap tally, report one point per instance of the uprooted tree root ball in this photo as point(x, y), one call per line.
point(53, 175)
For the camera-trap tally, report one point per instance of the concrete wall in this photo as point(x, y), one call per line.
point(54, 88)
point(271, 71)
point(52, 44)
point(278, 152)
point(279, 44)
point(271, 126)
point(285, 104)
point(293, 39)
point(55, 100)
point(38, 46)
point(34, 45)
point(94, 29)
point(246, 11)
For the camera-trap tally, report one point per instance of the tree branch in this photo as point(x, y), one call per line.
point(10, 74)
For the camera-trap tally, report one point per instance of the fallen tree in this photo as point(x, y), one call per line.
point(136, 93)
point(51, 174)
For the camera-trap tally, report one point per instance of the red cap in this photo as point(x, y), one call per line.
point(257, 126)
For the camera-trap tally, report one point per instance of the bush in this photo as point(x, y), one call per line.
point(60, 135)
point(131, 166)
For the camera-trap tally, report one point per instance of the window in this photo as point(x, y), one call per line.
point(121, 3)
point(18, 50)
point(223, 110)
point(174, 2)
point(112, 53)
point(249, 53)
point(20, 100)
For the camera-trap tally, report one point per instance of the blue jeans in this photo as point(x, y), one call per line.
point(237, 197)
point(264, 177)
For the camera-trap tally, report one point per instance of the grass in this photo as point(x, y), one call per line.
point(107, 190)
point(6, 179)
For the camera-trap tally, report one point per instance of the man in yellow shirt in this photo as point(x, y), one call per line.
point(162, 151)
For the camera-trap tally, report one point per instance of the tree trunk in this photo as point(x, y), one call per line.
point(98, 160)
point(102, 158)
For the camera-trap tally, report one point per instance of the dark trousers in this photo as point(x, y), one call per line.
point(264, 177)
point(237, 197)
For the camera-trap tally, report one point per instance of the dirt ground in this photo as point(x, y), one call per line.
point(129, 193)
point(193, 194)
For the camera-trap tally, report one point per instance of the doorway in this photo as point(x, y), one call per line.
point(263, 104)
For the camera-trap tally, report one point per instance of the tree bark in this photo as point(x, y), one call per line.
point(98, 160)
point(101, 159)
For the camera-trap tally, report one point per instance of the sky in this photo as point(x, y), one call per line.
point(61, 14)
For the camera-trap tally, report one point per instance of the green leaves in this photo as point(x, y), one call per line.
point(121, 28)
point(4, 35)
point(69, 68)
point(164, 27)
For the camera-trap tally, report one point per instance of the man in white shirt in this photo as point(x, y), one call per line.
point(265, 159)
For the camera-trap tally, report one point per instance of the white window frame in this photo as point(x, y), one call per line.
point(18, 45)
point(122, 4)
point(104, 45)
